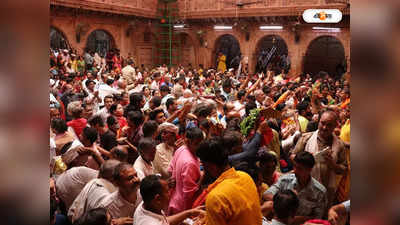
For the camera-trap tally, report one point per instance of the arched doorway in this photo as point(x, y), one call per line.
point(272, 53)
point(57, 39)
point(100, 41)
point(325, 53)
point(230, 47)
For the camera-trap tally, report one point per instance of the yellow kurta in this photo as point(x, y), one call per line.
point(345, 132)
point(234, 201)
point(303, 123)
point(221, 63)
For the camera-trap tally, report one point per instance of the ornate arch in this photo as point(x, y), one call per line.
point(264, 42)
point(314, 53)
point(101, 44)
point(216, 47)
point(59, 34)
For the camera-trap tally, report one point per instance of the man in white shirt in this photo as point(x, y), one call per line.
point(129, 72)
point(90, 77)
point(156, 80)
point(106, 90)
point(123, 203)
point(70, 183)
point(104, 112)
point(143, 164)
point(155, 195)
point(94, 191)
point(164, 91)
point(260, 97)
point(93, 98)
point(165, 150)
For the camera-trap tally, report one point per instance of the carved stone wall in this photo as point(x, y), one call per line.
point(141, 38)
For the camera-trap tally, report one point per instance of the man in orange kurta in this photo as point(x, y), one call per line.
point(233, 198)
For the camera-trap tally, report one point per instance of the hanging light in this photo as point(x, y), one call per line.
point(179, 26)
point(271, 27)
point(330, 29)
point(218, 27)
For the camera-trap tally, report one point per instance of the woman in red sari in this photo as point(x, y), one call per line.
point(117, 60)
point(117, 110)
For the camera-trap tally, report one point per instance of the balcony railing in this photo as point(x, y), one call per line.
point(208, 8)
point(146, 8)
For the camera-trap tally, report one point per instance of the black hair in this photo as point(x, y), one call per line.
point(302, 106)
point(136, 117)
point(252, 170)
point(96, 120)
point(111, 120)
point(88, 82)
point(117, 97)
point(241, 93)
point(164, 88)
point(135, 100)
point(251, 98)
point(108, 140)
point(202, 110)
point(227, 83)
point(194, 133)
point(109, 81)
point(156, 74)
point(285, 204)
point(266, 90)
point(312, 126)
point(156, 100)
point(213, 151)
point(205, 123)
point(305, 158)
point(232, 139)
point(150, 186)
point(264, 156)
point(59, 125)
point(146, 144)
point(96, 216)
point(90, 133)
point(113, 108)
point(108, 96)
point(274, 126)
point(119, 168)
point(169, 102)
point(149, 128)
point(120, 154)
point(280, 107)
point(153, 114)
point(276, 97)
point(233, 125)
point(249, 106)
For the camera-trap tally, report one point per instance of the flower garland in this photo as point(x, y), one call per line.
point(249, 122)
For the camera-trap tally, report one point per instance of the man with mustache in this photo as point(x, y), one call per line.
point(122, 203)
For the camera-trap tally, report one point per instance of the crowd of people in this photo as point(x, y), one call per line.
point(182, 145)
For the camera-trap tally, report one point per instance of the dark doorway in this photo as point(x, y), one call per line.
point(230, 47)
point(272, 52)
point(57, 40)
point(100, 41)
point(325, 53)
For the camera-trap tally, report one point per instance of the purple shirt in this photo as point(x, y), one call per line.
point(185, 169)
